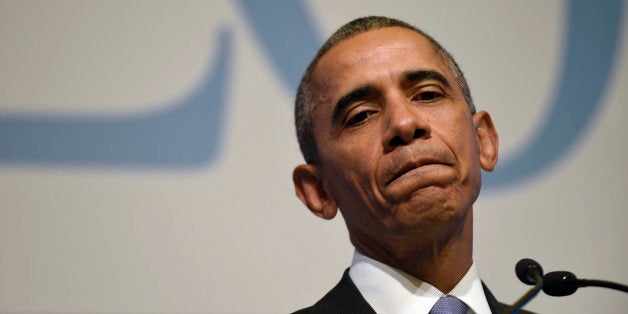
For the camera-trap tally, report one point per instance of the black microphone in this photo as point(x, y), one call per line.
point(531, 273)
point(528, 271)
point(563, 283)
point(560, 283)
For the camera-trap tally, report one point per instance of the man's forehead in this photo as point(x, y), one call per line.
point(375, 46)
point(389, 35)
point(368, 56)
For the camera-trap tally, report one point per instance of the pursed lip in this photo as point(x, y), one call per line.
point(411, 165)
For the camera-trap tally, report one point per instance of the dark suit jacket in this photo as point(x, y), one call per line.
point(346, 298)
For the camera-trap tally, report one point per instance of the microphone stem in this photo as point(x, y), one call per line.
point(517, 306)
point(602, 283)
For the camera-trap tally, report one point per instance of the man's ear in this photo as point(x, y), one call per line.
point(312, 192)
point(487, 140)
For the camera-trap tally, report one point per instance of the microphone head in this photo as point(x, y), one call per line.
point(560, 283)
point(528, 270)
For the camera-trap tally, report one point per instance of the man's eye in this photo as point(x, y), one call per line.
point(358, 118)
point(428, 96)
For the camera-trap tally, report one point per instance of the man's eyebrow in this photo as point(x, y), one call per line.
point(422, 75)
point(354, 95)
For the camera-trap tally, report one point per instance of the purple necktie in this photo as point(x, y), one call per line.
point(449, 305)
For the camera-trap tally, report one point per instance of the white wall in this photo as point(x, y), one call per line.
point(79, 233)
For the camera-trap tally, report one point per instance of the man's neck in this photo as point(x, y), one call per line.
point(441, 262)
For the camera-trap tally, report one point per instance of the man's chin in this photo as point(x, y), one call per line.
point(418, 195)
point(419, 211)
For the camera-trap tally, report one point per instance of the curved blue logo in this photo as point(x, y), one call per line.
point(188, 134)
point(185, 134)
point(589, 50)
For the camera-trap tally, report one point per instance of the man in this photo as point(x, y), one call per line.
point(388, 129)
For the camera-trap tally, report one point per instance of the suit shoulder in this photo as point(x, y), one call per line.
point(343, 298)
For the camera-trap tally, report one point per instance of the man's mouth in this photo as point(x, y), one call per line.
point(412, 165)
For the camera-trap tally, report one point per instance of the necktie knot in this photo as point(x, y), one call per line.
point(449, 305)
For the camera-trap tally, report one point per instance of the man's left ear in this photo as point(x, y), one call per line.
point(487, 140)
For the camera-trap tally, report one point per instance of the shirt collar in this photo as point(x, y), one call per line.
point(389, 290)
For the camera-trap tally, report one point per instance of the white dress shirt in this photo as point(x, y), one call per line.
point(389, 290)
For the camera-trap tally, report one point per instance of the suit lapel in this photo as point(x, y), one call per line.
point(343, 298)
point(495, 306)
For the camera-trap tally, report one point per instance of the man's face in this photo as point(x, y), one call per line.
point(397, 143)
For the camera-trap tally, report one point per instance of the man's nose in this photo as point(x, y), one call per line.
point(403, 124)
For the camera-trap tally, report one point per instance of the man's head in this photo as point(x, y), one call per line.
point(305, 101)
point(398, 146)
